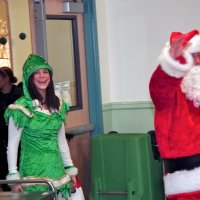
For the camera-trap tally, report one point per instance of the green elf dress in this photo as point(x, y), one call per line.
point(44, 149)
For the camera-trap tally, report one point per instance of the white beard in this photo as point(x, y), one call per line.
point(190, 85)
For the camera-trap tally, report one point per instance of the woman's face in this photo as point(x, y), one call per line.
point(41, 79)
point(4, 80)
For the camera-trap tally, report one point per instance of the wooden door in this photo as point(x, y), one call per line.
point(78, 122)
point(80, 144)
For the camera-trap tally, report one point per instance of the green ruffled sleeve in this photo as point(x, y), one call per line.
point(63, 111)
point(19, 112)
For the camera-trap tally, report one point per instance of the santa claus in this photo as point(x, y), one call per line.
point(175, 92)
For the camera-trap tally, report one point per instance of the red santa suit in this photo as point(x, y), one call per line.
point(177, 121)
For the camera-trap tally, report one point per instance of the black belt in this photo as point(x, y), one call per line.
point(177, 164)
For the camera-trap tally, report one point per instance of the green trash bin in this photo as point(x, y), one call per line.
point(124, 168)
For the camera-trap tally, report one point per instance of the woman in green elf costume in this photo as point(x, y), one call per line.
point(37, 121)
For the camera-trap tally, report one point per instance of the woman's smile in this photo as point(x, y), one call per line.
point(41, 79)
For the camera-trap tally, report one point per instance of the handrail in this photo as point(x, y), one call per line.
point(21, 181)
point(78, 130)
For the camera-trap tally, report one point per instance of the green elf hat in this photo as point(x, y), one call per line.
point(32, 64)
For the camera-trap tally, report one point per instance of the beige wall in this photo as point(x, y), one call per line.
point(19, 22)
point(4, 32)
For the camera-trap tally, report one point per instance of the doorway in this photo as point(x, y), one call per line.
point(82, 87)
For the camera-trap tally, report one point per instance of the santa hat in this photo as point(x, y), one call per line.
point(192, 37)
point(195, 44)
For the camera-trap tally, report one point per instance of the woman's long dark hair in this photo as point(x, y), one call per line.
point(52, 101)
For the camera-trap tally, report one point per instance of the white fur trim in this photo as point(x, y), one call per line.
point(173, 67)
point(22, 108)
point(73, 171)
point(182, 181)
point(195, 44)
point(58, 183)
point(13, 176)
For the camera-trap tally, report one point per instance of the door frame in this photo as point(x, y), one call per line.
point(93, 68)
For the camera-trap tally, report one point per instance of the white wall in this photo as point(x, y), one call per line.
point(131, 34)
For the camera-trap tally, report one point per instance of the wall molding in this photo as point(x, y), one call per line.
point(128, 105)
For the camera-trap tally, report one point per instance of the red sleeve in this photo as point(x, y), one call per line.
point(163, 88)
